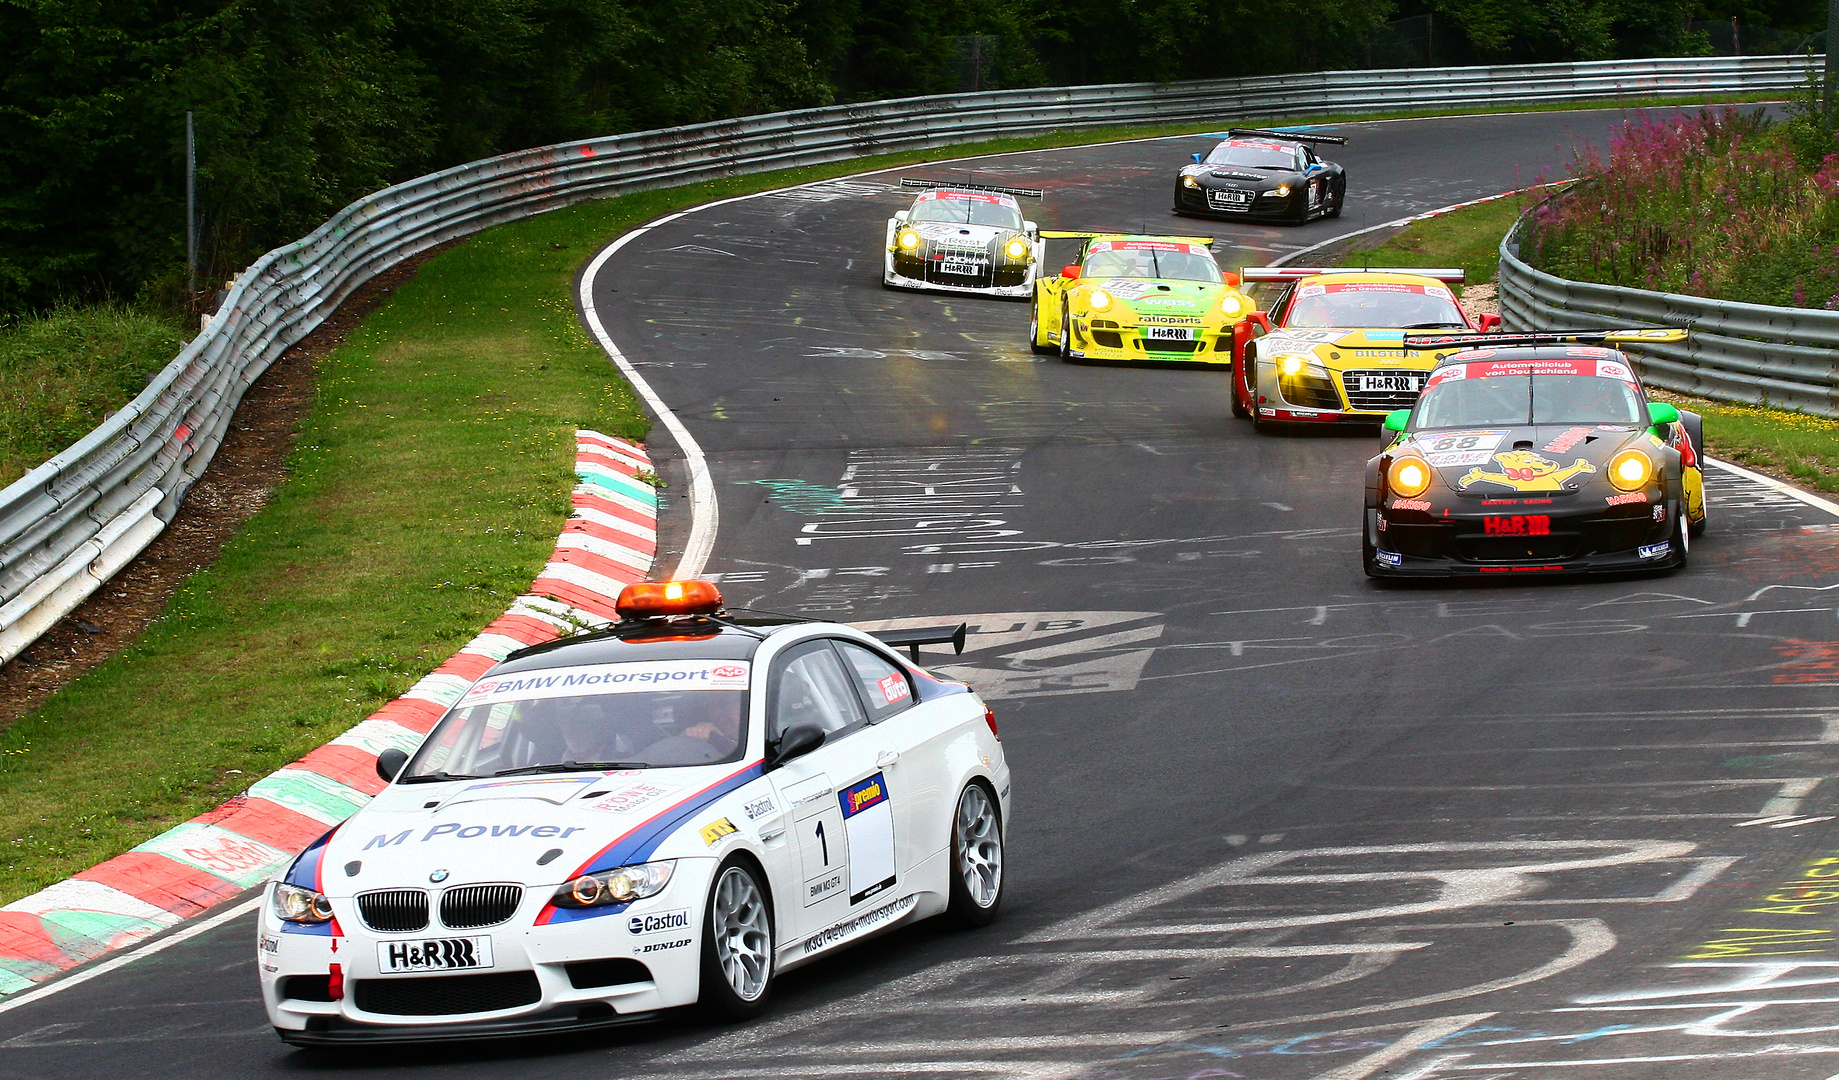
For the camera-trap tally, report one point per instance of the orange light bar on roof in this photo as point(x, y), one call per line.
point(653, 599)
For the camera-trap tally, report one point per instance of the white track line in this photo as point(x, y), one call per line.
point(1789, 490)
point(125, 959)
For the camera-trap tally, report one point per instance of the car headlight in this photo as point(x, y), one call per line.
point(618, 886)
point(297, 905)
point(1293, 365)
point(1278, 192)
point(1098, 300)
point(1016, 248)
point(1189, 182)
point(1408, 476)
point(1232, 306)
point(908, 239)
point(1631, 469)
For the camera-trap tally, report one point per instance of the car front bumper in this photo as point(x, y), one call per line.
point(912, 274)
point(584, 974)
point(1194, 202)
point(1109, 340)
point(1414, 543)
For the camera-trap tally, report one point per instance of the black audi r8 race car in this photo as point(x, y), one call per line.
point(1267, 175)
point(964, 238)
point(1535, 453)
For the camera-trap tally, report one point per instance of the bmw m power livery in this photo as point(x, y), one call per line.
point(963, 238)
point(1269, 175)
point(666, 813)
point(1535, 454)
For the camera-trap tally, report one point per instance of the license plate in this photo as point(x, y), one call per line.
point(1517, 525)
point(1383, 383)
point(1222, 197)
point(974, 267)
point(434, 954)
point(1168, 333)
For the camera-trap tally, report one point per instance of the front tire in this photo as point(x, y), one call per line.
point(737, 945)
point(1682, 534)
point(1066, 336)
point(1340, 196)
point(976, 858)
point(1034, 328)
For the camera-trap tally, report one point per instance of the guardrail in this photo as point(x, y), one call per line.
point(70, 524)
point(1784, 357)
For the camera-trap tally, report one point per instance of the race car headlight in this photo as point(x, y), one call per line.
point(1016, 249)
point(1409, 476)
point(1099, 300)
point(618, 886)
point(1630, 470)
point(1232, 306)
point(908, 240)
point(297, 905)
point(1189, 182)
point(1278, 192)
point(1293, 366)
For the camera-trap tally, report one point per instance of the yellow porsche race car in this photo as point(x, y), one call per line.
point(1138, 298)
point(1336, 346)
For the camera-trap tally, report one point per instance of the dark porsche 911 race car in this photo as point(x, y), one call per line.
point(1535, 454)
point(963, 238)
point(1269, 175)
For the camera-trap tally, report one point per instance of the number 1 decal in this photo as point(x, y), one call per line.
point(824, 842)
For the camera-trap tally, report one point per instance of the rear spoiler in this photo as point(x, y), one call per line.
point(911, 640)
point(1291, 273)
point(1293, 136)
point(953, 185)
point(1549, 337)
point(1203, 241)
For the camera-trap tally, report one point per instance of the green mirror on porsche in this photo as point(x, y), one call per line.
point(1397, 419)
point(1659, 412)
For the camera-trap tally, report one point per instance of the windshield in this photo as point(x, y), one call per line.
point(1341, 307)
point(1254, 156)
point(1168, 262)
point(653, 714)
point(1528, 399)
point(967, 211)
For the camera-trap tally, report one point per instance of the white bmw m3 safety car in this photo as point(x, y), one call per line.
point(665, 813)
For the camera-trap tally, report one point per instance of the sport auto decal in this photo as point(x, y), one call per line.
point(1523, 470)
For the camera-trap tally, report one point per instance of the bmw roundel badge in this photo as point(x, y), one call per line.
point(438, 876)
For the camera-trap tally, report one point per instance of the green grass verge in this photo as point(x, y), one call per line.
point(63, 374)
point(426, 490)
point(1470, 239)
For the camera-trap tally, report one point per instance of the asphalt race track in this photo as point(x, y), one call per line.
point(1274, 822)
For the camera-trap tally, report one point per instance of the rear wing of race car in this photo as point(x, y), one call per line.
point(911, 640)
point(953, 185)
point(1203, 241)
point(1548, 337)
point(1292, 136)
point(1291, 273)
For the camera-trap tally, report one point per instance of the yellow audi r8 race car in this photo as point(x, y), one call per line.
point(1138, 298)
point(1337, 344)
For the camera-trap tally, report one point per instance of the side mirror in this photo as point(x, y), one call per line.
point(900, 216)
point(1030, 228)
point(797, 742)
point(1489, 323)
point(390, 763)
point(1261, 320)
point(1659, 412)
point(1070, 273)
point(1397, 419)
point(1231, 279)
point(1196, 158)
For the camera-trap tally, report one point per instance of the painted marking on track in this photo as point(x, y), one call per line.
point(1022, 654)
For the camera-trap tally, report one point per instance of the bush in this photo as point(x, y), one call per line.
point(63, 374)
point(1720, 204)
